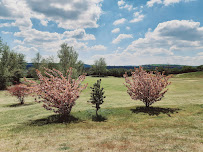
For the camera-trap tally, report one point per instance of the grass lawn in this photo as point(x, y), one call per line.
point(172, 124)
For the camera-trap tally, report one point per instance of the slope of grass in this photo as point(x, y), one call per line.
point(173, 124)
point(191, 75)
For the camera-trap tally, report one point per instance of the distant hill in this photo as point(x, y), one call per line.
point(148, 66)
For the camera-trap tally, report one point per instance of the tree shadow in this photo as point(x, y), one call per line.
point(54, 119)
point(19, 105)
point(98, 118)
point(155, 110)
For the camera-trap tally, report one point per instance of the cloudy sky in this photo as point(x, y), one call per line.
point(124, 32)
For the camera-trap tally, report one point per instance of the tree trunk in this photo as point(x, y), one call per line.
point(97, 108)
point(147, 104)
point(96, 113)
point(21, 100)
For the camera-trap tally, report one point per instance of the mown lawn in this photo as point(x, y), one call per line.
point(173, 124)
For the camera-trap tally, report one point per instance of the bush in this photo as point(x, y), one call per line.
point(58, 92)
point(20, 91)
point(146, 87)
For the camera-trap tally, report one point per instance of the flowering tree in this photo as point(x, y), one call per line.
point(58, 92)
point(20, 91)
point(147, 87)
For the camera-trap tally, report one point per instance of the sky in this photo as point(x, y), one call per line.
point(124, 32)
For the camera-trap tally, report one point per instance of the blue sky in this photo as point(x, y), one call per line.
point(124, 32)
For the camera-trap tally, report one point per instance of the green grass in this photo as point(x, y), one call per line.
point(172, 124)
point(191, 75)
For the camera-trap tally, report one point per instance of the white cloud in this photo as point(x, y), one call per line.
point(152, 2)
point(67, 14)
point(200, 53)
point(121, 37)
point(18, 41)
point(121, 2)
point(168, 2)
point(50, 42)
point(122, 5)
point(127, 28)
point(78, 34)
point(119, 21)
point(116, 30)
point(5, 32)
point(170, 36)
point(97, 48)
point(20, 48)
point(128, 7)
point(137, 17)
point(41, 38)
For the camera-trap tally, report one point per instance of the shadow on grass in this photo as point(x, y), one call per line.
point(98, 118)
point(155, 110)
point(54, 119)
point(19, 105)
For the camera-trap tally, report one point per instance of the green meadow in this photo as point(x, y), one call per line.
point(172, 124)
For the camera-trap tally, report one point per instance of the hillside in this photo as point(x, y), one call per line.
point(198, 74)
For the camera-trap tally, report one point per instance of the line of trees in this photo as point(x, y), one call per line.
point(99, 69)
point(12, 66)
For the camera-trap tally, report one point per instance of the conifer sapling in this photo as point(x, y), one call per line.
point(97, 95)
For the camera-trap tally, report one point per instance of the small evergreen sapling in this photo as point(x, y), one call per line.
point(97, 95)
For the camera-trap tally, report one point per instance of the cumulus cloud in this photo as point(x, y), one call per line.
point(121, 2)
point(151, 3)
point(127, 28)
point(50, 42)
point(122, 5)
point(175, 35)
point(200, 53)
point(119, 21)
point(116, 30)
point(78, 34)
point(5, 32)
point(71, 14)
point(137, 17)
point(121, 37)
point(20, 48)
point(97, 48)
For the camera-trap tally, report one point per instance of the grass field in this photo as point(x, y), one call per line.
point(172, 124)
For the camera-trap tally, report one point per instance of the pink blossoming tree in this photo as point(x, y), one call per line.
point(20, 91)
point(58, 92)
point(146, 87)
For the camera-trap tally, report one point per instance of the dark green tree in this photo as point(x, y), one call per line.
point(69, 58)
point(97, 95)
point(200, 68)
point(36, 65)
point(12, 66)
point(99, 67)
